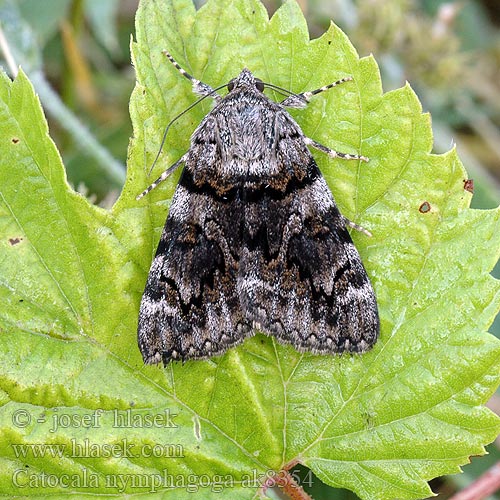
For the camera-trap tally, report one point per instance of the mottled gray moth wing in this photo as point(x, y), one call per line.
point(301, 279)
point(190, 308)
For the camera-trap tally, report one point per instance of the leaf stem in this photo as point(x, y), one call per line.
point(85, 140)
point(56, 108)
point(487, 484)
point(284, 480)
point(9, 58)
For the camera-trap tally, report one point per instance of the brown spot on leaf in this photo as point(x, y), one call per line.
point(424, 207)
point(15, 241)
point(15, 140)
point(469, 185)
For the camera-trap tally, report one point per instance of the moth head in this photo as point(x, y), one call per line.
point(244, 80)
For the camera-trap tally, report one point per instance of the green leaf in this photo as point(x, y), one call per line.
point(71, 278)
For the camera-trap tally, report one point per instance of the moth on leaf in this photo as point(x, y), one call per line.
point(254, 239)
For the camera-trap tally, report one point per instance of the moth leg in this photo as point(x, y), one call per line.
point(336, 154)
point(162, 177)
point(332, 153)
point(301, 100)
point(361, 229)
point(199, 87)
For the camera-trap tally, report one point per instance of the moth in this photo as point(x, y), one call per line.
point(254, 240)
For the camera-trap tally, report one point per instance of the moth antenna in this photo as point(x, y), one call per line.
point(292, 100)
point(174, 120)
point(279, 89)
point(199, 87)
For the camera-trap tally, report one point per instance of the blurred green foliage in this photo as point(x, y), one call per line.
point(76, 53)
point(449, 51)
